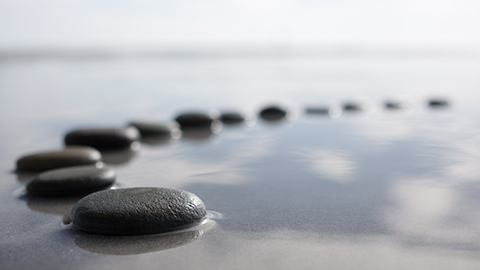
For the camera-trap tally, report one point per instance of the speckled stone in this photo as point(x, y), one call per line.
point(136, 211)
point(71, 180)
point(154, 129)
point(70, 156)
point(194, 120)
point(273, 113)
point(104, 139)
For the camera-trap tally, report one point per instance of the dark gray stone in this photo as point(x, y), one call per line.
point(70, 156)
point(136, 211)
point(71, 180)
point(104, 139)
point(194, 120)
point(273, 113)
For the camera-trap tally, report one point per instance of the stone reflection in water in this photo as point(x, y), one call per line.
point(122, 156)
point(201, 134)
point(59, 206)
point(161, 139)
point(132, 245)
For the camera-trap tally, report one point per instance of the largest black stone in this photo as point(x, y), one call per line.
point(136, 211)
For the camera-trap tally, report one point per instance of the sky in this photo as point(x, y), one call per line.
point(33, 24)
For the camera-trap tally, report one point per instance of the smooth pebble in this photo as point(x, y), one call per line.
point(104, 139)
point(136, 211)
point(71, 180)
point(70, 156)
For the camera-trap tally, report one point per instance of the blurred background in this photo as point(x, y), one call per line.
point(65, 64)
point(173, 26)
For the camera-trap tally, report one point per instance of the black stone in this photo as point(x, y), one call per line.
point(70, 156)
point(194, 120)
point(136, 211)
point(273, 113)
point(104, 139)
point(71, 180)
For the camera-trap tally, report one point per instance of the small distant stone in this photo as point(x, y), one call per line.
point(71, 181)
point(150, 129)
point(136, 211)
point(194, 120)
point(438, 102)
point(232, 118)
point(352, 106)
point(70, 156)
point(317, 110)
point(104, 139)
point(394, 105)
point(273, 113)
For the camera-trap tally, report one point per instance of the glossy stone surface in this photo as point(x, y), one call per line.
point(70, 156)
point(194, 120)
point(136, 211)
point(104, 139)
point(71, 180)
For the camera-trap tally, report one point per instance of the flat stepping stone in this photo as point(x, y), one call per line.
point(194, 120)
point(70, 156)
point(71, 181)
point(273, 113)
point(104, 139)
point(136, 211)
point(148, 129)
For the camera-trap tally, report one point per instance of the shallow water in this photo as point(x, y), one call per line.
point(378, 188)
